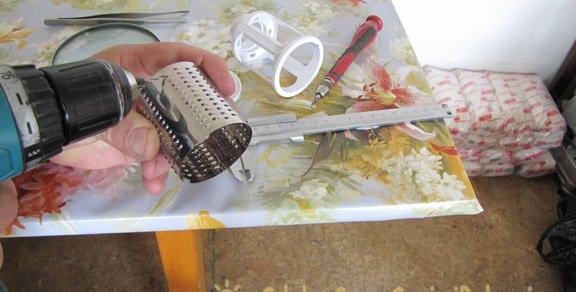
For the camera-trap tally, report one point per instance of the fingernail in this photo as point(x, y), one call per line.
point(138, 140)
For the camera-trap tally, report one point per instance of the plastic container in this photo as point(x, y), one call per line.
point(286, 58)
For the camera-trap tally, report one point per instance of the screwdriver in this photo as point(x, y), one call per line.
point(362, 38)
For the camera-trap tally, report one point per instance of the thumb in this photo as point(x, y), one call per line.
point(135, 136)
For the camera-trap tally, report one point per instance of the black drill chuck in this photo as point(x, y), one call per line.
point(93, 96)
point(54, 106)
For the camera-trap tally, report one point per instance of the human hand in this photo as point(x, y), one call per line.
point(135, 138)
point(8, 208)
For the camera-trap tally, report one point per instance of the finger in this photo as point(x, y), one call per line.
point(214, 66)
point(135, 136)
point(8, 204)
point(8, 208)
point(145, 60)
point(91, 153)
point(154, 172)
point(156, 185)
point(169, 53)
point(155, 167)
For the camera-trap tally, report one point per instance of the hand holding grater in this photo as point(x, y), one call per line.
point(201, 135)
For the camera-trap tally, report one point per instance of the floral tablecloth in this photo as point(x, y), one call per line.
point(404, 171)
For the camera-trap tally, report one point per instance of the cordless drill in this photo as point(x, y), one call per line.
point(44, 109)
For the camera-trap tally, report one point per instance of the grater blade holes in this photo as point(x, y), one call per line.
point(209, 136)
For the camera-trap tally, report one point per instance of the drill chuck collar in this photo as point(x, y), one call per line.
point(44, 109)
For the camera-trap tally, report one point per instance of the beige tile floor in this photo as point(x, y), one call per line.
point(492, 251)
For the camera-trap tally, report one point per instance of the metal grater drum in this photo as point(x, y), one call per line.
point(201, 135)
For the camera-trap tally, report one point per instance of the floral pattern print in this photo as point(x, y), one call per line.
point(46, 189)
point(326, 178)
point(14, 32)
point(9, 6)
point(94, 4)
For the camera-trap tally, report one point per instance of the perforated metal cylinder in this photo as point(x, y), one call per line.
point(201, 134)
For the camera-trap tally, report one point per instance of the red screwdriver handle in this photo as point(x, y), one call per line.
point(362, 38)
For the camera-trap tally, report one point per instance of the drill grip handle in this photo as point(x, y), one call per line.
point(11, 161)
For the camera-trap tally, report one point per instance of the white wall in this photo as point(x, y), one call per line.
point(501, 35)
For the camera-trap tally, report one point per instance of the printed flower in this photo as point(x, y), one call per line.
point(202, 220)
point(366, 159)
point(401, 49)
point(314, 17)
point(46, 49)
point(47, 188)
point(157, 4)
point(396, 141)
point(353, 3)
point(449, 187)
point(210, 36)
point(312, 190)
point(113, 182)
point(44, 190)
point(96, 4)
point(375, 89)
point(229, 11)
point(9, 6)
point(14, 32)
point(417, 177)
point(400, 46)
